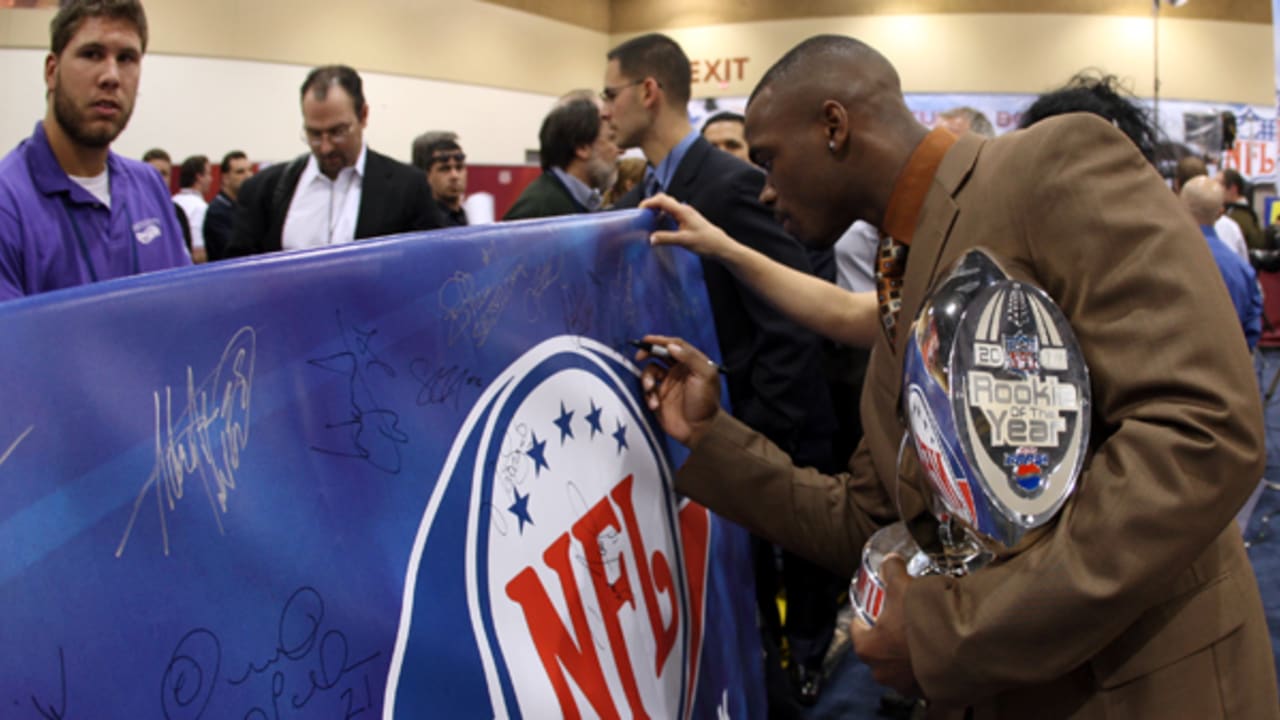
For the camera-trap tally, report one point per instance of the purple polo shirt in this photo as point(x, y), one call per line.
point(54, 234)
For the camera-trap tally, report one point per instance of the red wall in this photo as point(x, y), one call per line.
point(503, 182)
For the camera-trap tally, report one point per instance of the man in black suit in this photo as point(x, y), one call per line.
point(775, 375)
point(220, 217)
point(579, 162)
point(341, 191)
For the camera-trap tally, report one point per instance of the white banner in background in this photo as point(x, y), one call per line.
point(1253, 153)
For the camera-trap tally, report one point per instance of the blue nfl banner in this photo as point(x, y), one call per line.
point(405, 478)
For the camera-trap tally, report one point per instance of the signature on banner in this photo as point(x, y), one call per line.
point(364, 428)
point(310, 663)
point(48, 710)
point(14, 445)
point(474, 311)
point(204, 440)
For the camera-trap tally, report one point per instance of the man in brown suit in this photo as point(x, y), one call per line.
point(1138, 601)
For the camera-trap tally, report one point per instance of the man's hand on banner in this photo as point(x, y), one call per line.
point(694, 233)
point(681, 387)
point(884, 647)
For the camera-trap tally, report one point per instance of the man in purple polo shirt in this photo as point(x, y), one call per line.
point(72, 211)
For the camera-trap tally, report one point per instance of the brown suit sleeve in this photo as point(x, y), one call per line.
point(1177, 419)
point(744, 477)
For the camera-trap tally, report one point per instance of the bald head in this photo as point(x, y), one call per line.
point(836, 104)
point(832, 55)
point(1203, 197)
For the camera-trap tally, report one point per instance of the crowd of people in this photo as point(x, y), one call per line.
point(821, 215)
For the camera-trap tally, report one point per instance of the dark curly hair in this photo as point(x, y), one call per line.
point(1093, 92)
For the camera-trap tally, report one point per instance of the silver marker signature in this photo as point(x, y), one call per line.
point(204, 440)
point(14, 445)
point(473, 310)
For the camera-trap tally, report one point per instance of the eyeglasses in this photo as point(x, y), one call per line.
point(609, 94)
point(337, 135)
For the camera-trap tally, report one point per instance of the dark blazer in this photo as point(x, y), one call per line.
point(546, 196)
point(775, 376)
point(1138, 601)
point(394, 198)
point(218, 221)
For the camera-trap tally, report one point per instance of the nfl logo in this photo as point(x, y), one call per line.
point(1022, 351)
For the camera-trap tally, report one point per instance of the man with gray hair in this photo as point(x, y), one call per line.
point(579, 163)
point(963, 119)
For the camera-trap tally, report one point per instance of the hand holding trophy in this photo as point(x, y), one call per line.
point(996, 398)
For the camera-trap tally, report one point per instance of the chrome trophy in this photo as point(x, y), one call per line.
point(996, 397)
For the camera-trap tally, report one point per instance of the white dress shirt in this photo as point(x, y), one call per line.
point(856, 257)
point(1229, 232)
point(193, 204)
point(323, 211)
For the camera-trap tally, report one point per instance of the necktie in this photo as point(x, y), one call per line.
point(651, 185)
point(891, 263)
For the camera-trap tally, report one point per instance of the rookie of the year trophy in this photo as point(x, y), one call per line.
point(996, 397)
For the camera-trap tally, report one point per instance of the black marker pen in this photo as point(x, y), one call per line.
point(661, 352)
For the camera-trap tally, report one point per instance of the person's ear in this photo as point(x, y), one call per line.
point(50, 71)
point(652, 92)
point(835, 126)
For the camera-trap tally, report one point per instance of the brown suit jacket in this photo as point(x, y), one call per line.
point(1138, 601)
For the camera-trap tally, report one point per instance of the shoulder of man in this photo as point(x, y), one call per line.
point(15, 178)
point(412, 193)
point(707, 175)
point(18, 196)
point(274, 184)
point(529, 202)
point(378, 164)
point(143, 177)
point(267, 177)
point(221, 203)
point(1026, 162)
point(726, 190)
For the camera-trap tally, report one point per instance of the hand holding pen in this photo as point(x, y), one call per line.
point(682, 388)
point(660, 351)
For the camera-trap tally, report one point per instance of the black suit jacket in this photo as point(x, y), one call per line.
point(775, 374)
point(218, 221)
point(546, 196)
point(394, 198)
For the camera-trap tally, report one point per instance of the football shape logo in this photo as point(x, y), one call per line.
point(584, 576)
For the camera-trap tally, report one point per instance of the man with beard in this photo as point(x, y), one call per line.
point(340, 192)
point(71, 211)
point(579, 162)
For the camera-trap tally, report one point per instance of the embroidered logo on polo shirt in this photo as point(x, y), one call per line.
point(147, 230)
